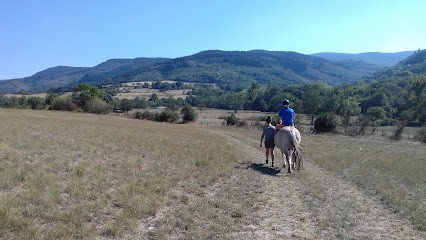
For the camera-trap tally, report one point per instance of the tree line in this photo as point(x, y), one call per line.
point(387, 102)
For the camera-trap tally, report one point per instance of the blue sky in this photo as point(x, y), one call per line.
point(38, 34)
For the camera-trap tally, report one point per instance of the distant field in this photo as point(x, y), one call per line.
point(43, 95)
point(147, 92)
point(72, 175)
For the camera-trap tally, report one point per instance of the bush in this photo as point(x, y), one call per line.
point(35, 102)
point(188, 114)
point(97, 106)
point(397, 134)
point(63, 104)
point(231, 120)
point(138, 115)
point(167, 116)
point(147, 115)
point(325, 123)
point(421, 135)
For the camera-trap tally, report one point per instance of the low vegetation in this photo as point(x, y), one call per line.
point(71, 175)
point(393, 171)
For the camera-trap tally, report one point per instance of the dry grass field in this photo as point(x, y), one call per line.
point(82, 176)
point(79, 176)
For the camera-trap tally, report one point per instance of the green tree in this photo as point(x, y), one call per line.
point(126, 105)
point(312, 99)
point(35, 102)
point(188, 113)
point(376, 113)
point(83, 93)
point(50, 98)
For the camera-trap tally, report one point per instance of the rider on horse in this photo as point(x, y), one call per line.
point(286, 116)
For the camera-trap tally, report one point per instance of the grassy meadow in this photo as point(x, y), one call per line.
point(72, 175)
point(392, 170)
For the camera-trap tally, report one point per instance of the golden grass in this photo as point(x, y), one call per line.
point(393, 170)
point(73, 175)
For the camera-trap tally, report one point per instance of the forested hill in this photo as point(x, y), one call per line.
point(412, 65)
point(239, 69)
point(232, 69)
point(375, 59)
point(63, 76)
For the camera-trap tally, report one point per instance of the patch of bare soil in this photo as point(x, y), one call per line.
point(260, 202)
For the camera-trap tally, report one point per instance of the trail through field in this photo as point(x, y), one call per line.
point(260, 202)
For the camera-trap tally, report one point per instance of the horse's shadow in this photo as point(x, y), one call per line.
point(264, 169)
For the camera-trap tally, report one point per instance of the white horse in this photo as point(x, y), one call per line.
point(287, 139)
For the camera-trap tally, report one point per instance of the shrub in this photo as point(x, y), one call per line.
point(97, 106)
point(35, 102)
point(167, 116)
point(325, 123)
point(397, 134)
point(145, 115)
point(242, 123)
point(231, 120)
point(421, 135)
point(63, 104)
point(138, 115)
point(188, 114)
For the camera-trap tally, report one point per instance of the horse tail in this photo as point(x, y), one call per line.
point(297, 151)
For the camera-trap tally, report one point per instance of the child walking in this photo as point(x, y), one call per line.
point(268, 133)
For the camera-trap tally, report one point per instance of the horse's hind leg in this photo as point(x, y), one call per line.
point(287, 161)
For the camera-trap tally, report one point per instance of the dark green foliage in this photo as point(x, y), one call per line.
point(165, 86)
point(35, 102)
point(232, 120)
point(188, 114)
point(63, 104)
point(141, 103)
point(50, 98)
point(237, 69)
point(164, 116)
point(325, 123)
point(83, 93)
point(126, 105)
point(98, 106)
point(167, 116)
point(376, 113)
point(147, 115)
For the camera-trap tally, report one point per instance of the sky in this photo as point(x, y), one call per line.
point(39, 34)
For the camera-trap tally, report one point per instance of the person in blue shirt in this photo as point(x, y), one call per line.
point(286, 115)
point(268, 133)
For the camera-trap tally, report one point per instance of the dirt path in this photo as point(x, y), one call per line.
point(260, 202)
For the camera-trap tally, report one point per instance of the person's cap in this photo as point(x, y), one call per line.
point(286, 102)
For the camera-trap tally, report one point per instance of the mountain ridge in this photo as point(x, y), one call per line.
point(231, 68)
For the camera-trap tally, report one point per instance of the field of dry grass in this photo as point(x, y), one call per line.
point(74, 175)
point(71, 175)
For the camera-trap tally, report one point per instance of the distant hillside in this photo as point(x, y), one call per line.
point(376, 60)
point(239, 69)
point(414, 64)
point(62, 76)
point(234, 69)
